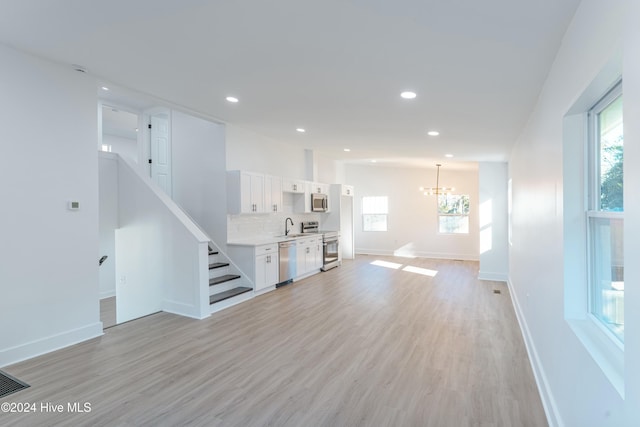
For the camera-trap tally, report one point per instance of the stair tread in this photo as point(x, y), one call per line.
point(213, 252)
point(218, 265)
point(228, 294)
point(222, 279)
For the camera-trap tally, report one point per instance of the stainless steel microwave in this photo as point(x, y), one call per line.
point(319, 202)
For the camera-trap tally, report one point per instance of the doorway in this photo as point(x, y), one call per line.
point(119, 134)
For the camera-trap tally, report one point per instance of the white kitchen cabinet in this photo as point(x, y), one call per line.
point(293, 186)
point(307, 255)
point(266, 266)
point(316, 187)
point(347, 190)
point(245, 192)
point(259, 262)
point(273, 193)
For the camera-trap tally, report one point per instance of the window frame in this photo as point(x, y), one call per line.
point(467, 215)
point(376, 213)
point(593, 208)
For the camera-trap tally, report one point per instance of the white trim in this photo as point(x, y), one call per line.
point(603, 348)
point(107, 294)
point(48, 344)
point(181, 309)
point(181, 215)
point(548, 402)
point(497, 277)
point(418, 254)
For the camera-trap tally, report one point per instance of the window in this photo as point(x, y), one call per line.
point(605, 223)
point(453, 213)
point(374, 213)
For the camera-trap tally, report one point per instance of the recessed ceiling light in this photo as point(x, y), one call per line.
point(408, 95)
point(448, 155)
point(232, 99)
point(374, 161)
point(136, 129)
point(347, 149)
point(301, 130)
point(106, 89)
point(433, 133)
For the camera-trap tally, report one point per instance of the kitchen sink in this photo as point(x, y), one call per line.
point(295, 235)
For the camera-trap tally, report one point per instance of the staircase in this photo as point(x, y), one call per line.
point(226, 286)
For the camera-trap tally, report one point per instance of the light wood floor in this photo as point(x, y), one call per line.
point(108, 312)
point(360, 345)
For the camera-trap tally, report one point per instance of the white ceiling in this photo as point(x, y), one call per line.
point(334, 67)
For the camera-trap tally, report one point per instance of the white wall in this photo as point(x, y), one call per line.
point(412, 221)
point(108, 221)
point(124, 146)
point(49, 268)
point(327, 169)
point(158, 248)
point(199, 172)
point(574, 388)
point(252, 152)
point(494, 251)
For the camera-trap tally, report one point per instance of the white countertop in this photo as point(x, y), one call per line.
point(269, 240)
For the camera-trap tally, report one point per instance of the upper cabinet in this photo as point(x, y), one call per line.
point(347, 190)
point(273, 193)
point(245, 192)
point(252, 192)
point(293, 185)
point(318, 188)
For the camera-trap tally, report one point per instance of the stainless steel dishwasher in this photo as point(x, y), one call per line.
point(287, 253)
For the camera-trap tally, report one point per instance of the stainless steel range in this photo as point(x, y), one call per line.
point(331, 256)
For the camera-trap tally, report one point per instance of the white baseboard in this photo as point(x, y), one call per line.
point(496, 277)
point(45, 345)
point(417, 254)
point(107, 294)
point(548, 402)
point(181, 309)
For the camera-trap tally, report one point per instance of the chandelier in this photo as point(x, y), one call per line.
point(429, 191)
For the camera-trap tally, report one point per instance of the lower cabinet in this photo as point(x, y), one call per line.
point(309, 256)
point(259, 262)
point(266, 268)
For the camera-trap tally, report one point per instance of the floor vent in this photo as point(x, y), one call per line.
point(497, 291)
point(9, 385)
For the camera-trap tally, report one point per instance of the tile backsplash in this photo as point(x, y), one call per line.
point(241, 227)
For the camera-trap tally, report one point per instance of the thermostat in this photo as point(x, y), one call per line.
point(74, 206)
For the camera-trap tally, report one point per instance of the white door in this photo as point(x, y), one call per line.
point(160, 162)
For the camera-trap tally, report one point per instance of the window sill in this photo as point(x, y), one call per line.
point(608, 354)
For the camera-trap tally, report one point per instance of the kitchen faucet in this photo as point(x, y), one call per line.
point(286, 223)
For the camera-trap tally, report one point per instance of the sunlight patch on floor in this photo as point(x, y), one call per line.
point(386, 264)
point(407, 268)
point(420, 270)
